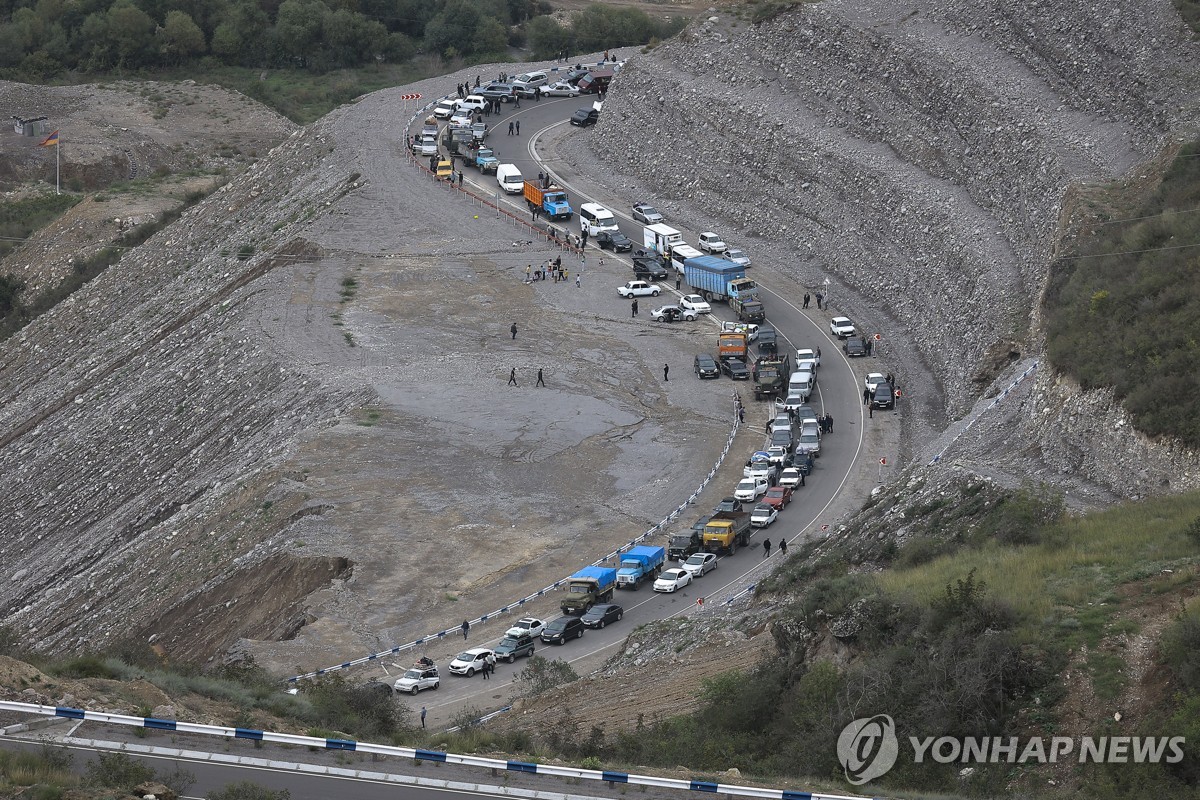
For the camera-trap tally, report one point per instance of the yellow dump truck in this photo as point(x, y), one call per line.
point(726, 531)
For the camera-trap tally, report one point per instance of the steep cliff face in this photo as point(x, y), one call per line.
point(915, 154)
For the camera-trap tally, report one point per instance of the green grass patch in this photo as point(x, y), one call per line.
point(20, 218)
point(1123, 310)
point(1079, 561)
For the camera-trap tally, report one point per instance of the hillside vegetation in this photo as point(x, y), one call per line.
point(1123, 309)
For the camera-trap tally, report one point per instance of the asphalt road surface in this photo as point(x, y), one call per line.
point(838, 392)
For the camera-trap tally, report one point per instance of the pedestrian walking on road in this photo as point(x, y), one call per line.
point(820, 300)
point(512, 381)
point(487, 669)
point(518, 121)
point(807, 297)
point(540, 382)
point(466, 626)
point(666, 372)
point(423, 712)
point(828, 424)
point(634, 307)
point(513, 330)
point(577, 277)
point(678, 281)
point(741, 414)
point(510, 128)
point(783, 547)
point(866, 396)
point(766, 548)
point(870, 411)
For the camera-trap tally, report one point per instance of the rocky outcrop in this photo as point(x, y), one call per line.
point(915, 155)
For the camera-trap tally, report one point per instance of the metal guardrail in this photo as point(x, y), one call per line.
point(418, 754)
point(456, 630)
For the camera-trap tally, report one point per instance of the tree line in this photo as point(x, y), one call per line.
point(40, 39)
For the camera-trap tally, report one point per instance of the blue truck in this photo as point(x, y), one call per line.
point(638, 564)
point(715, 278)
point(586, 588)
point(486, 160)
point(552, 200)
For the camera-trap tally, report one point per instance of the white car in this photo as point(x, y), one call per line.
point(526, 625)
point(471, 661)
point(463, 117)
point(711, 243)
point(748, 328)
point(638, 289)
point(560, 89)
point(700, 563)
point(737, 257)
point(418, 678)
point(474, 102)
point(791, 478)
point(763, 515)
point(778, 454)
point(807, 359)
point(793, 402)
point(751, 489)
point(444, 109)
point(757, 470)
point(672, 580)
point(841, 327)
point(427, 146)
point(672, 313)
point(694, 302)
point(873, 380)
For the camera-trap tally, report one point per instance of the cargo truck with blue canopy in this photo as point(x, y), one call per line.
point(717, 279)
point(587, 587)
point(638, 564)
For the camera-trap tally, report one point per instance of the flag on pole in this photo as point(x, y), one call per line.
point(51, 140)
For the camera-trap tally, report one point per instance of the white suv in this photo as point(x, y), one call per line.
point(841, 327)
point(711, 243)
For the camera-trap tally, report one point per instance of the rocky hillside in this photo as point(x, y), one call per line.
point(226, 435)
point(918, 156)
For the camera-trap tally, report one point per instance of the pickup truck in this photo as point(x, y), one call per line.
point(638, 564)
point(552, 200)
point(726, 531)
point(587, 587)
point(486, 161)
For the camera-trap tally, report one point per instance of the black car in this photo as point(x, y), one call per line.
point(884, 396)
point(706, 366)
point(512, 646)
point(736, 369)
point(601, 615)
point(615, 241)
point(767, 341)
point(562, 630)
point(801, 461)
point(855, 346)
point(651, 266)
point(584, 117)
point(731, 504)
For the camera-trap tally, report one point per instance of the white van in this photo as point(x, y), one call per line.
point(681, 253)
point(800, 384)
point(510, 179)
point(594, 218)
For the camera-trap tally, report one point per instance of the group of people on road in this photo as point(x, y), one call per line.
point(819, 297)
point(767, 547)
